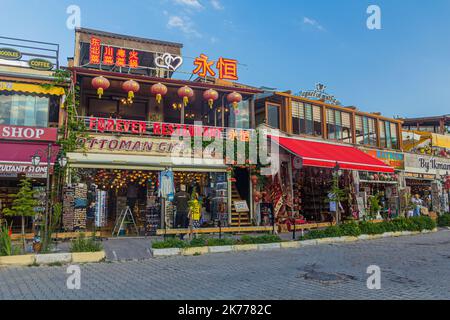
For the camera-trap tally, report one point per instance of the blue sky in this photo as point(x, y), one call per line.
point(402, 69)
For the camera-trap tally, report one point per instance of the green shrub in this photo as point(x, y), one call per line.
point(423, 223)
point(214, 242)
point(169, 243)
point(83, 244)
point(444, 220)
point(267, 238)
point(199, 242)
point(364, 227)
point(350, 229)
point(5, 241)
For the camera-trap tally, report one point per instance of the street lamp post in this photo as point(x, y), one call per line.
point(337, 172)
point(36, 160)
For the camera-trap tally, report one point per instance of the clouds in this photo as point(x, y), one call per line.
point(193, 4)
point(184, 17)
point(313, 23)
point(217, 5)
point(185, 25)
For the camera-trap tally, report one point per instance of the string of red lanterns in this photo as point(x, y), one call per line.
point(159, 90)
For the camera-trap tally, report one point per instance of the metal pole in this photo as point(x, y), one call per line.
point(47, 193)
point(295, 227)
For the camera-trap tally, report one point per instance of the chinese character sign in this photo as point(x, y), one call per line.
point(227, 68)
point(109, 57)
point(95, 51)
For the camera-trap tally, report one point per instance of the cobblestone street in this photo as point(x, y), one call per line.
point(415, 267)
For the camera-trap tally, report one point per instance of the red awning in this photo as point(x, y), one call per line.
point(318, 154)
point(15, 152)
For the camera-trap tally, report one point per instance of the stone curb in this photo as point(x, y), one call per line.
point(53, 258)
point(279, 245)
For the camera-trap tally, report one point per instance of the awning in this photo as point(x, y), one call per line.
point(317, 154)
point(13, 152)
point(31, 88)
point(15, 159)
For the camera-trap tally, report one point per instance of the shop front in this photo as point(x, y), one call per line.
point(425, 177)
point(388, 188)
point(158, 180)
point(312, 173)
point(19, 145)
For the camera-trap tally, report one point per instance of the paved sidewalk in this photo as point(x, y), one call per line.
point(416, 267)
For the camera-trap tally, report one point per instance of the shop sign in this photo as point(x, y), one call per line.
point(395, 160)
point(10, 54)
point(119, 126)
point(27, 169)
point(168, 61)
point(320, 94)
point(241, 206)
point(424, 164)
point(28, 133)
point(147, 146)
point(40, 64)
point(227, 68)
point(109, 56)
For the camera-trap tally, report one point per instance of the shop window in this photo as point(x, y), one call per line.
point(394, 136)
point(306, 119)
point(54, 111)
point(24, 110)
point(347, 132)
point(241, 119)
point(365, 131)
point(102, 108)
point(339, 125)
point(111, 108)
point(273, 116)
point(388, 135)
point(137, 111)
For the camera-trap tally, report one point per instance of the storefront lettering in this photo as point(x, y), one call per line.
point(128, 145)
point(95, 53)
point(27, 133)
point(159, 128)
point(433, 164)
point(11, 168)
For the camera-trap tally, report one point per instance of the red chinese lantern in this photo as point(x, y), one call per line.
point(131, 87)
point(101, 84)
point(185, 93)
point(234, 98)
point(211, 96)
point(159, 90)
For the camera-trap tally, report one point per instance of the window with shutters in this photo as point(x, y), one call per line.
point(306, 119)
point(339, 125)
point(388, 135)
point(365, 130)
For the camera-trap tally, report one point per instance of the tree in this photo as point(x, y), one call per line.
point(23, 205)
point(337, 195)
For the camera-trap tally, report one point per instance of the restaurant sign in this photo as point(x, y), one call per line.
point(10, 54)
point(29, 170)
point(161, 129)
point(8, 132)
point(146, 146)
point(40, 64)
point(395, 160)
point(416, 163)
point(320, 94)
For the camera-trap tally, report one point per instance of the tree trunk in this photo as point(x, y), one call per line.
point(23, 234)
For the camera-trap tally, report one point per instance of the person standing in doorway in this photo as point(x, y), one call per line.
point(132, 195)
point(181, 202)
